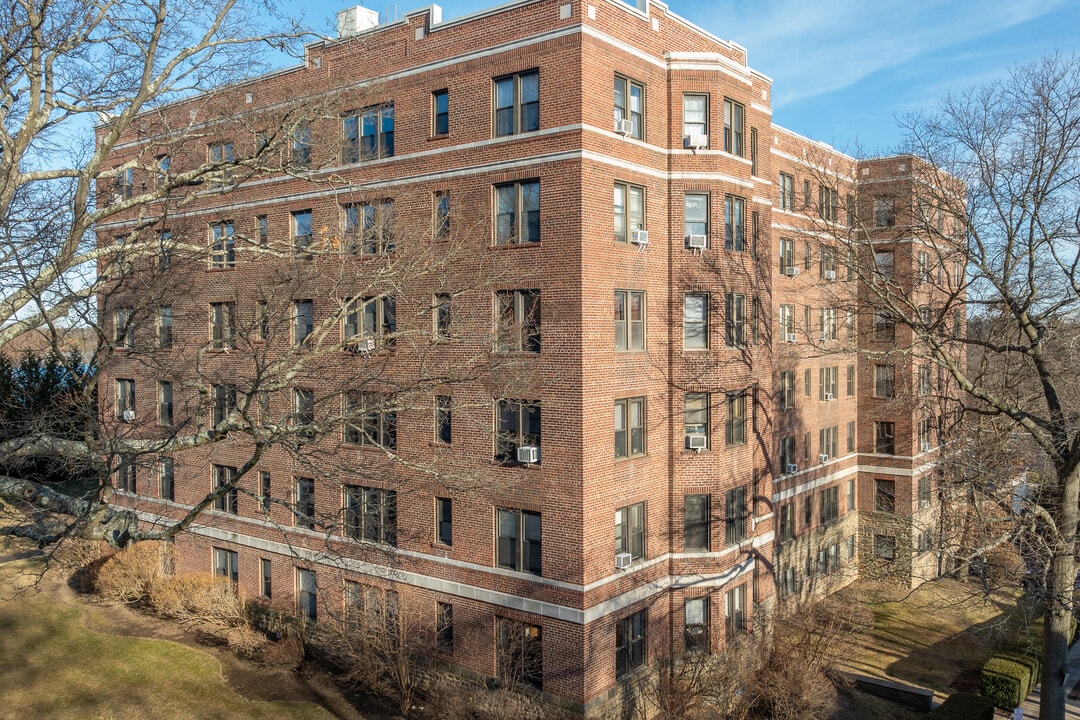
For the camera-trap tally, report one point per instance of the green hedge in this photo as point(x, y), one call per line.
point(1006, 682)
point(964, 706)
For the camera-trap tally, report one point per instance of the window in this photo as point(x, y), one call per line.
point(884, 437)
point(828, 262)
point(165, 403)
point(851, 436)
point(696, 321)
point(630, 530)
point(735, 320)
point(884, 325)
point(124, 328)
point(925, 380)
point(806, 382)
point(371, 420)
point(517, 320)
point(262, 230)
point(444, 626)
point(926, 434)
point(264, 491)
point(753, 151)
point(307, 594)
point(442, 214)
point(629, 211)
point(224, 402)
point(806, 446)
point(262, 320)
point(787, 522)
point(786, 453)
point(517, 213)
point(734, 223)
point(519, 540)
point(755, 232)
point(166, 478)
point(786, 392)
point(266, 579)
point(850, 389)
point(828, 438)
point(303, 322)
point(885, 496)
point(695, 112)
point(444, 521)
point(630, 105)
point(808, 255)
point(440, 112)
point(228, 496)
point(519, 653)
point(696, 623)
point(164, 327)
point(222, 154)
point(828, 202)
point(629, 644)
point(735, 425)
point(370, 323)
point(304, 413)
point(696, 415)
point(829, 504)
point(883, 381)
point(884, 211)
point(828, 324)
point(883, 264)
point(695, 522)
point(517, 103)
point(787, 322)
point(165, 250)
point(755, 320)
point(733, 127)
point(517, 425)
point(304, 509)
point(441, 315)
point(924, 274)
point(787, 192)
point(696, 215)
point(629, 427)
point(222, 325)
point(226, 564)
point(301, 233)
point(371, 514)
point(444, 420)
point(369, 227)
point(629, 320)
point(368, 134)
point(124, 187)
point(222, 246)
point(735, 515)
point(924, 492)
point(827, 383)
point(787, 257)
point(164, 168)
point(806, 193)
point(125, 399)
point(300, 147)
point(884, 547)
point(735, 615)
point(126, 473)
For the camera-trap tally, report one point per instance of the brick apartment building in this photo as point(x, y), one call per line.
point(446, 384)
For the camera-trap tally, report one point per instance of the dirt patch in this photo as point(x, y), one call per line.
point(251, 680)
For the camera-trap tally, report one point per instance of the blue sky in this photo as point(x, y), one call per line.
point(844, 70)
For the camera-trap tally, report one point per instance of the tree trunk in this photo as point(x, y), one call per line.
point(1057, 625)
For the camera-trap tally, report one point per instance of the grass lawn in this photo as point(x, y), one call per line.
point(936, 637)
point(51, 666)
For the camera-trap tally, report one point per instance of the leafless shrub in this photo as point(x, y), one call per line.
point(129, 575)
point(246, 642)
point(204, 601)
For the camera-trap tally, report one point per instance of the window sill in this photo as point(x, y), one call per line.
point(220, 269)
point(438, 136)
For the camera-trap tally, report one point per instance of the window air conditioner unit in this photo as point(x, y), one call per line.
point(823, 458)
point(117, 198)
point(128, 416)
point(623, 560)
point(696, 142)
point(792, 337)
point(830, 274)
point(639, 237)
point(528, 454)
point(361, 347)
point(697, 441)
point(791, 271)
point(828, 396)
point(791, 468)
point(624, 127)
point(697, 241)
point(925, 446)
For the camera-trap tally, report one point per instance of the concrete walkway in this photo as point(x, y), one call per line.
point(1072, 701)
